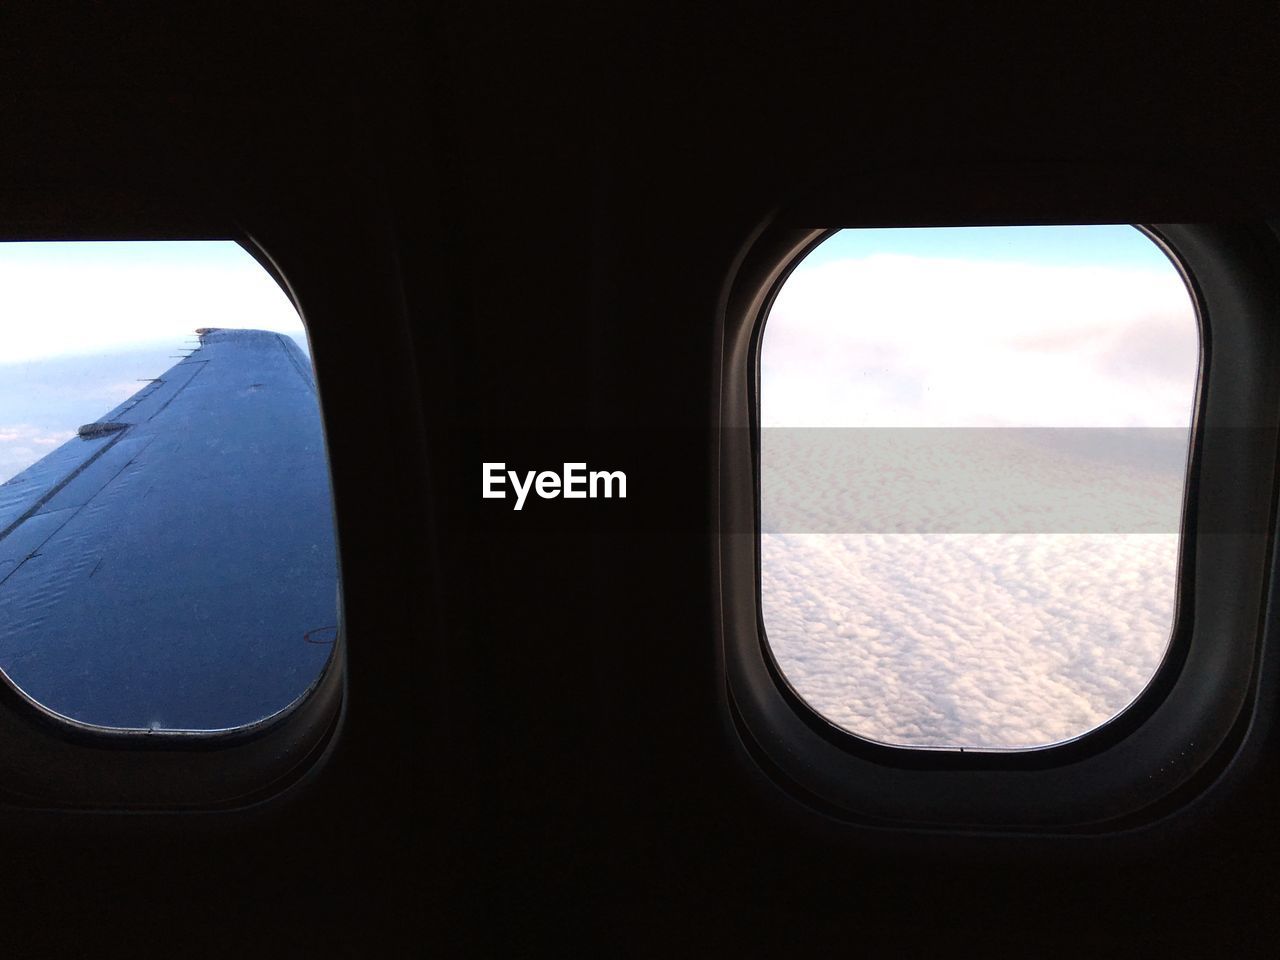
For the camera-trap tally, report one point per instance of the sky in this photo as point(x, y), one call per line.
point(85, 323)
point(1005, 587)
point(987, 335)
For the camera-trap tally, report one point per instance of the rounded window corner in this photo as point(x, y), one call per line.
point(59, 752)
point(1172, 740)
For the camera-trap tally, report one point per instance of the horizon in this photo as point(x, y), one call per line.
point(91, 321)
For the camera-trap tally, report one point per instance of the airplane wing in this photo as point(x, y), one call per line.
point(174, 565)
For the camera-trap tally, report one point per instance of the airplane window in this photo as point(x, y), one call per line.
point(167, 551)
point(973, 451)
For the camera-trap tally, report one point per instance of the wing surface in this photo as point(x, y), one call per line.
point(174, 566)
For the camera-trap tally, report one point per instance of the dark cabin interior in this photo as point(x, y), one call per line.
point(510, 229)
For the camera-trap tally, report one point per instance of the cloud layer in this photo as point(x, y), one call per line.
point(983, 633)
point(23, 444)
point(968, 640)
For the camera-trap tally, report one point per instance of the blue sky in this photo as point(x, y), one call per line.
point(1118, 245)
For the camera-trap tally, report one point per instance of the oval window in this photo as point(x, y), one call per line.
point(973, 455)
point(167, 552)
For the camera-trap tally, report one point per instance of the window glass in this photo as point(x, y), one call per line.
point(167, 553)
point(974, 445)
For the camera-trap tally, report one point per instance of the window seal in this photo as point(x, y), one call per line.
point(48, 760)
point(1141, 761)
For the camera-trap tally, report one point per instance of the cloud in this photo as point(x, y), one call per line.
point(23, 444)
point(1039, 599)
point(968, 640)
point(89, 323)
point(910, 341)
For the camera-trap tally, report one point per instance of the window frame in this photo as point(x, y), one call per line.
point(1189, 720)
point(51, 761)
